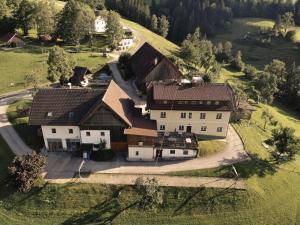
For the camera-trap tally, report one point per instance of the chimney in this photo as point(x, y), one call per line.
point(69, 85)
point(155, 61)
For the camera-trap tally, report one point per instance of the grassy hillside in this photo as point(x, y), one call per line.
point(163, 45)
point(257, 53)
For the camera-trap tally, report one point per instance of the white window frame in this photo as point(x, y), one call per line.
point(181, 128)
point(220, 129)
point(162, 127)
point(204, 128)
point(219, 116)
point(183, 115)
point(163, 115)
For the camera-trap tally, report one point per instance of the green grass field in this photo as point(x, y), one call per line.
point(254, 52)
point(211, 147)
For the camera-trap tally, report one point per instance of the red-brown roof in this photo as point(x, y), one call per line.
point(119, 102)
point(191, 92)
point(146, 59)
point(7, 37)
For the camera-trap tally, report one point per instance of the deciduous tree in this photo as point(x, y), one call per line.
point(26, 170)
point(154, 23)
point(45, 17)
point(60, 65)
point(114, 29)
point(4, 10)
point(286, 143)
point(76, 21)
point(25, 15)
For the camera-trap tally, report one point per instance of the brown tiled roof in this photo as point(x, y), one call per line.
point(184, 107)
point(7, 37)
point(146, 59)
point(119, 102)
point(67, 106)
point(189, 92)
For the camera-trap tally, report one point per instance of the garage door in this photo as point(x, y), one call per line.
point(55, 144)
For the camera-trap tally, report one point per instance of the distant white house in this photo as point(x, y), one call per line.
point(100, 24)
point(126, 43)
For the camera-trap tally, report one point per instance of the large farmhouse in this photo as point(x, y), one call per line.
point(200, 108)
point(149, 65)
point(178, 113)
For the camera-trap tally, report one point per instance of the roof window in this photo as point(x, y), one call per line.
point(49, 114)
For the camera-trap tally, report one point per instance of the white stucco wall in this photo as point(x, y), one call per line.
point(145, 153)
point(62, 132)
point(126, 43)
point(173, 121)
point(100, 25)
point(95, 137)
point(178, 153)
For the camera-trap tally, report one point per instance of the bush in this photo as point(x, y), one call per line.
point(290, 35)
point(237, 63)
point(26, 170)
point(250, 71)
point(150, 192)
point(124, 66)
point(124, 58)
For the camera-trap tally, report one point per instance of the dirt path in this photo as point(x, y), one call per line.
point(170, 181)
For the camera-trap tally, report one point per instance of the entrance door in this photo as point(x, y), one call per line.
point(159, 153)
point(73, 144)
point(189, 129)
point(55, 144)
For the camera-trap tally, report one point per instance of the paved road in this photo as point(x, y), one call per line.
point(64, 167)
point(9, 134)
point(169, 181)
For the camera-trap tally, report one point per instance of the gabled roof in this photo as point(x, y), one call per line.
point(7, 37)
point(62, 106)
point(191, 92)
point(119, 102)
point(146, 59)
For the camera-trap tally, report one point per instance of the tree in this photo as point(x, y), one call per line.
point(286, 143)
point(25, 15)
point(267, 116)
point(287, 20)
point(237, 63)
point(267, 85)
point(277, 68)
point(154, 23)
point(75, 22)
point(26, 170)
point(33, 79)
point(151, 194)
point(250, 71)
point(4, 10)
point(163, 26)
point(60, 65)
point(45, 17)
point(114, 29)
point(95, 4)
point(227, 50)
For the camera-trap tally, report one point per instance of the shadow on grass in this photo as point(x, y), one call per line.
point(102, 214)
point(255, 166)
point(208, 199)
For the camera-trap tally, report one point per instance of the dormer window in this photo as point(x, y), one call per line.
point(208, 102)
point(71, 114)
point(49, 114)
point(217, 103)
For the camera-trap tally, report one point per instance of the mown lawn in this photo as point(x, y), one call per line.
point(210, 147)
point(15, 64)
point(29, 134)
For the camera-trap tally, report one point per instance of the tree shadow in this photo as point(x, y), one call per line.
point(256, 166)
point(102, 214)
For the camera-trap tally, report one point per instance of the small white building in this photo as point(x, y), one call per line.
point(126, 43)
point(100, 24)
